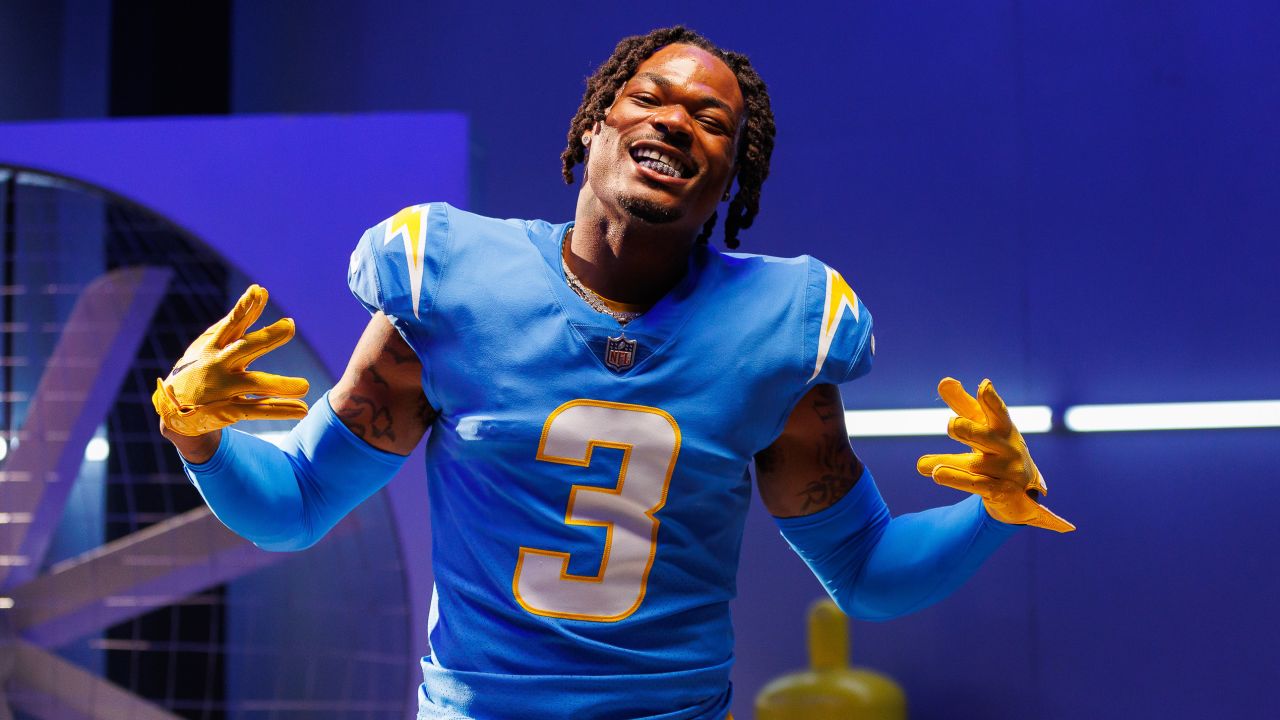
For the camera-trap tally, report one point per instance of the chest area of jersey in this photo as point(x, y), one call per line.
point(510, 351)
point(603, 473)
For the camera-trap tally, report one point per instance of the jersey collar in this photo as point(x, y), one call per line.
point(657, 326)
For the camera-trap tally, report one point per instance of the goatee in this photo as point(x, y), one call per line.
point(649, 211)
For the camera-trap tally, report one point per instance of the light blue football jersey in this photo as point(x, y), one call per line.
point(588, 481)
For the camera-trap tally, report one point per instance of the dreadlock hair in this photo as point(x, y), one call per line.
point(754, 146)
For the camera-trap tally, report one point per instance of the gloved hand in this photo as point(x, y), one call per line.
point(1000, 468)
point(209, 387)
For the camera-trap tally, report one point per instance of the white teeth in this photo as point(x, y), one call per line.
point(672, 164)
point(659, 167)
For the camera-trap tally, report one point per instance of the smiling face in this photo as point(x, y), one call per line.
point(664, 153)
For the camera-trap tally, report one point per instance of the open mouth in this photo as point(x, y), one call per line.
point(661, 163)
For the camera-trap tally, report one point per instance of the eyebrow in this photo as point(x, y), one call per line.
point(666, 84)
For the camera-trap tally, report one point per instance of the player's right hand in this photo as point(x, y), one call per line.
point(210, 388)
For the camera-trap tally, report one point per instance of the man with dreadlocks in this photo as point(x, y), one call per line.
point(597, 390)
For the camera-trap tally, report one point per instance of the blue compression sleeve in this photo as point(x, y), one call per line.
point(288, 497)
point(876, 567)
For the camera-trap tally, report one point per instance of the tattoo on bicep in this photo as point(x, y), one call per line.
point(366, 418)
point(840, 469)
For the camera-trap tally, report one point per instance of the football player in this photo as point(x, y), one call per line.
point(597, 391)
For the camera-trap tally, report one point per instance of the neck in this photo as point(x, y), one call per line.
point(626, 259)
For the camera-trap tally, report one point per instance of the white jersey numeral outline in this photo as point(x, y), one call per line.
point(649, 439)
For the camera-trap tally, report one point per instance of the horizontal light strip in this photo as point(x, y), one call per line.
point(1080, 418)
point(933, 421)
point(1173, 416)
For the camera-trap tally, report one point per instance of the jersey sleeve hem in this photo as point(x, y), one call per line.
point(850, 371)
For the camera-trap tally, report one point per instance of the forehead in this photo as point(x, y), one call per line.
point(693, 69)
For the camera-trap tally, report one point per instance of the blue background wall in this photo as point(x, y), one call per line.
point(1079, 200)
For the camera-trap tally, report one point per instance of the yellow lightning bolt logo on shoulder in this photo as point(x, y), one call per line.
point(410, 225)
point(839, 297)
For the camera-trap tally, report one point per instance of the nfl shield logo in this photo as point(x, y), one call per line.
point(620, 353)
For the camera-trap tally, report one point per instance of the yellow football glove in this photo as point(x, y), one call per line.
point(1000, 468)
point(209, 387)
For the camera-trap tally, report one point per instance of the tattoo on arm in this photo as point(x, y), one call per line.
point(839, 467)
point(366, 418)
point(840, 470)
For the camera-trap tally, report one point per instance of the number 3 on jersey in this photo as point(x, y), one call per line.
point(650, 441)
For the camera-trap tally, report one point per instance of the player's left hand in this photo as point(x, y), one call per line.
point(1000, 468)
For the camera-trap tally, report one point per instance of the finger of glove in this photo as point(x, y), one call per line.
point(988, 466)
point(960, 401)
point(161, 400)
point(269, 409)
point(245, 313)
point(993, 407)
point(977, 436)
point(269, 385)
point(259, 342)
point(1048, 520)
point(1038, 485)
point(958, 479)
point(927, 463)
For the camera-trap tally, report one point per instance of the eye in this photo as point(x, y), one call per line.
point(712, 124)
point(645, 98)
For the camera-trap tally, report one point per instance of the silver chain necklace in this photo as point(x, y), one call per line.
point(591, 297)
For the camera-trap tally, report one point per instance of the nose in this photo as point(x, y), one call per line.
point(673, 122)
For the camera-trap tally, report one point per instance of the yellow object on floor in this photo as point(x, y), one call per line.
point(830, 689)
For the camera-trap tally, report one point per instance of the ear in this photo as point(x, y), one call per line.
point(728, 186)
point(586, 136)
